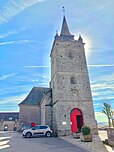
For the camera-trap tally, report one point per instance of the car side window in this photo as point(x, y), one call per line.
point(36, 128)
point(43, 127)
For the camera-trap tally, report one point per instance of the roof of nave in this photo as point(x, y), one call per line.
point(35, 96)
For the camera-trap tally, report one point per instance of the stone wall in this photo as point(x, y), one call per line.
point(10, 124)
point(28, 114)
point(45, 110)
point(68, 63)
point(110, 133)
point(63, 110)
point(64, 67)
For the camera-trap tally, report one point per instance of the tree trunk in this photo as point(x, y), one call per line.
point(113, 122)
point(109, 122)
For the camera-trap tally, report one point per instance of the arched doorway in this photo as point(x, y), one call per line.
point(76, 119)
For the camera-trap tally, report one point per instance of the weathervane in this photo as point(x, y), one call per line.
point(63, 11)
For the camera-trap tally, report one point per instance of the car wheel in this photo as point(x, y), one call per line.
point(48, 134)
point(28, 135)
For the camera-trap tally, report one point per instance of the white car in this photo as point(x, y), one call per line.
point(37, 130)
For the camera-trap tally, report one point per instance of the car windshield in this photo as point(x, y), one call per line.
point(26, 127)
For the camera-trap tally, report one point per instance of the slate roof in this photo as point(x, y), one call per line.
point(65, 33)
point(65, 29)
point(9, 116)
point(35, 96)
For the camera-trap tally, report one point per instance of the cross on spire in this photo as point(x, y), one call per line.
point(63, 11)
point(65, 33)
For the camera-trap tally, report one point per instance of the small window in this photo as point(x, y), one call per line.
point(70, 55)
point(10, 118)
point(16, 120)
point(73, 80)
point(74, 92)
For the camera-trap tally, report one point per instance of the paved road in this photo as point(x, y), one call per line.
point(14, 142)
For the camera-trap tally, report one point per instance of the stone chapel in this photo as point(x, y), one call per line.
point(67, 104)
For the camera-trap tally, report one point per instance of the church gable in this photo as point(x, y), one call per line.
point(30, 107)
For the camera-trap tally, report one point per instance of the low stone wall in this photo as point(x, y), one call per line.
point(64, 133)
point(11, 125)
point(110, 133)
point(94, 131)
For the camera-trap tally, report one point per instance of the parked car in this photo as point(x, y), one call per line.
point(25, 127)
point(37, 130)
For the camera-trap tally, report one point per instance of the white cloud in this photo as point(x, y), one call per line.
point(97, 104)
point(102, 65)
point(4, 77)
point(7, 93)
point(3, 35)
point(11, 103)
point(42, 80)
point(6, 43)
point(104, 98)
point(14, 7)
point(13, 99)
point(103, 87)
point(105, 5)
point(27, 41)
point(19, 42)
point(36, 66)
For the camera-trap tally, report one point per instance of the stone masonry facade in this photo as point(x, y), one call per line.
point(70, 82)
point(70, 87)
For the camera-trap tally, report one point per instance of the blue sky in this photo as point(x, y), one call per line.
point(27, 30)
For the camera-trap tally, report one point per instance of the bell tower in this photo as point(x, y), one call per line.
point(73, 106)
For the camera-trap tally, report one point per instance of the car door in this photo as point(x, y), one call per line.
point(43, 130)
point(36, 130)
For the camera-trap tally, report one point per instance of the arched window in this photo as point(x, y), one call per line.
point(73, 80)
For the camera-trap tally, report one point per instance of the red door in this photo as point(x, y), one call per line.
point(76, 119)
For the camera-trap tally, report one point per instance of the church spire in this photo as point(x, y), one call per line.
point(65, 33)
point(80, 39)
point(65, 29)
